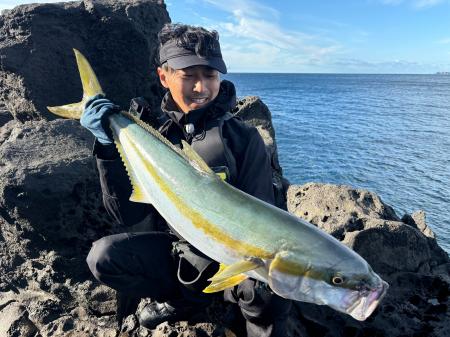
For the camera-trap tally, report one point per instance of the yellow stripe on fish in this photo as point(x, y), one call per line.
point(198, 220)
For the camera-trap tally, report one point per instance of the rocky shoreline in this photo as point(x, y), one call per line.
point(51, 208)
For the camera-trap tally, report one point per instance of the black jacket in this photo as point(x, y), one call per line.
point(253, 170)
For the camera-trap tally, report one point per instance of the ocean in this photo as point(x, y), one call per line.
point(389, 134)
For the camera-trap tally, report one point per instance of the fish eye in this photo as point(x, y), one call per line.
point(337, 280)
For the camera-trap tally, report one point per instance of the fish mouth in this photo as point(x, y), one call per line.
point(366, 301)
point(358, 303)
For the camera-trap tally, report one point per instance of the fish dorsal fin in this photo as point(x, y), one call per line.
point(195, 158)
point(137, 195)
point(229, 276)
point(154, 133)
point(188, 153)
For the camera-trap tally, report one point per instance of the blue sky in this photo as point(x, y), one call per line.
point(352, 36)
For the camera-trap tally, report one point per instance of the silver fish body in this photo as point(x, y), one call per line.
point(295, 258)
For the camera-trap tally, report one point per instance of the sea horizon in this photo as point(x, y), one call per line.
point(386, 133)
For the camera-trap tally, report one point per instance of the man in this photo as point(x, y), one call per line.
point(157, 263)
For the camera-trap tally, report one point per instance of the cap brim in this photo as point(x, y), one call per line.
point(193, 60)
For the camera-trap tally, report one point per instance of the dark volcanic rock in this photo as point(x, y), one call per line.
point(408, 258)
point(364, 222)
point(417, 220)
point(254, 112)
point(5, 115)
point(38, 66)
point(50, 212)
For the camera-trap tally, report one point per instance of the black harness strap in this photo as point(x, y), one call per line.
point(214, 150)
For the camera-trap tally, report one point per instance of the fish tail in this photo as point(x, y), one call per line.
point(91, 87)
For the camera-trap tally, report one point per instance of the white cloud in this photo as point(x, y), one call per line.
point(249, 8)
point(261, 57)
point(253, 39)
point(254, 21)
point(256, 57)
point(263, 31)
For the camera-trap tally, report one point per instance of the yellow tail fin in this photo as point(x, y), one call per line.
point(91, 87)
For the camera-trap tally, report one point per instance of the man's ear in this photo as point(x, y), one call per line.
point(162, 77)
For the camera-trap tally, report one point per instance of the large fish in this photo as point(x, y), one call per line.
point(250, 238)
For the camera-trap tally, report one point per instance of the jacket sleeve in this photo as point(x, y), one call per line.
point(116, 188)
point(254, 170)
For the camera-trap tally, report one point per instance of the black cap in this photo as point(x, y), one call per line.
point(178, 57)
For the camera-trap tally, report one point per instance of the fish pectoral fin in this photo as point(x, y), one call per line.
point(216, 286)
point(235, 269)
point(137, 195)
point(229, 276)
point(195, 158)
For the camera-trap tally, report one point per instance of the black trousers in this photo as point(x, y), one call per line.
point(143, 265)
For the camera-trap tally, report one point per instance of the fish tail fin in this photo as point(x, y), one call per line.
point(72, 111)
point(91, 87)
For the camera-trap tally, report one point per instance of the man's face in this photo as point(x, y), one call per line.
point(191, 88)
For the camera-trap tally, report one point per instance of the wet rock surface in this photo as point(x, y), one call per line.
point(51, 209)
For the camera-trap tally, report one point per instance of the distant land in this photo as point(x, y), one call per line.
point(443, 73)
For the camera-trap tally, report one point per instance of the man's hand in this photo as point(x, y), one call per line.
point(95, 118)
